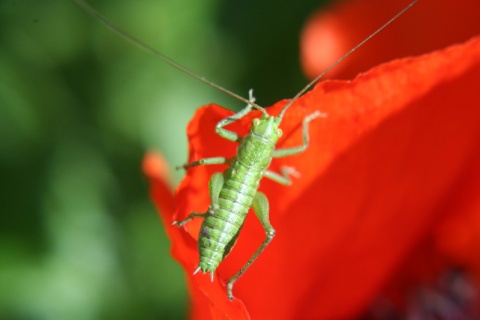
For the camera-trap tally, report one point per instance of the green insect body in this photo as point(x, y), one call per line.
point(235, 191)
point(232, 195)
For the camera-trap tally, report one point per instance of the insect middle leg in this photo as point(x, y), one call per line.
point(261, 208)
point(283, 177)
point(215, 186)
point(204, 161)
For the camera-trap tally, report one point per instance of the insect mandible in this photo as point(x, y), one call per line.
point(234, 191)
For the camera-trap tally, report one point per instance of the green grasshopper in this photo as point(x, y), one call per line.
point(234, 191)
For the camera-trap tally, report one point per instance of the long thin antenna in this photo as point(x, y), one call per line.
point(311, 83)
point(85, 6)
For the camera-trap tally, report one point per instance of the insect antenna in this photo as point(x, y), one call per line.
point(311, 83)
point(105, 21)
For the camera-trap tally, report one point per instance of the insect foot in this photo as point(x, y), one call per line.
point(190, 217)
point(229, 291)
point(290, 171)
point(316, 114)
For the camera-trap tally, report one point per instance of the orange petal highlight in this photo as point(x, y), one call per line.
point(429, 25)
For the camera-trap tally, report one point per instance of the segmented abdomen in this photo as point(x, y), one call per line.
point(220, 230)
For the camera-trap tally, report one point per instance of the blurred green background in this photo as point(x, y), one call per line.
point(79, 106)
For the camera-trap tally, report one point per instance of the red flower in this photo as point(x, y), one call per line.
point(429, 25)
point(388, 188)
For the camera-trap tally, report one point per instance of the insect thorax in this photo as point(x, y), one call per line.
point(255, 152)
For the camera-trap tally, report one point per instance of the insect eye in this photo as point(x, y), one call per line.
point(279, 132)
point(256, 122)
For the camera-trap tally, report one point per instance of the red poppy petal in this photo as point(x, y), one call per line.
point(393, 142)
point(458, 235)
point(428, 25)
point(209, 299)
point(373, 181)
point(184, 248)
point(399, 137)
point(158, 171)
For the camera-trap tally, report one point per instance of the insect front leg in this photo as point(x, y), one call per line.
point(261, 208)
point(224, 133)
point(230, 135)
point(279, 153)
point(215, 186)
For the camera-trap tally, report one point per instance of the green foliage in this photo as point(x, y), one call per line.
point(79, 107)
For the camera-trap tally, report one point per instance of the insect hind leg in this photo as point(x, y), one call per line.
point(190, 217)
point(261, 208)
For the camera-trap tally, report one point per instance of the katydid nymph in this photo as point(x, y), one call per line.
point(234, 191)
